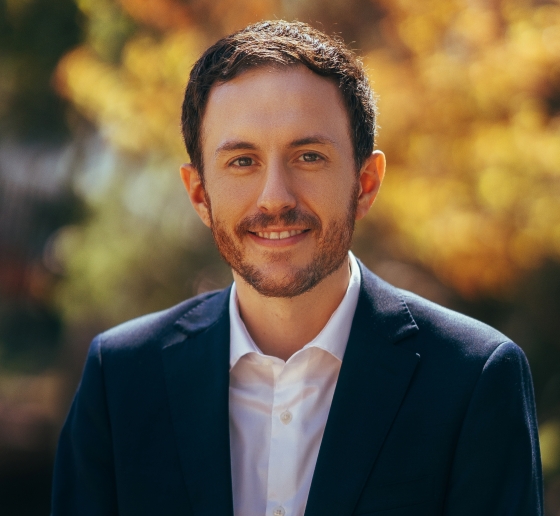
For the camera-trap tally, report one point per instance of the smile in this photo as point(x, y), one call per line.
point(278, 235)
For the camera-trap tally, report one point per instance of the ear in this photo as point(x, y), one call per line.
point(195, 189)
point(371, 176)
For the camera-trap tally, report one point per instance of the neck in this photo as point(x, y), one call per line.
point(281, 326)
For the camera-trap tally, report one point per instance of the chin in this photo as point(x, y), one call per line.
point(286, 282)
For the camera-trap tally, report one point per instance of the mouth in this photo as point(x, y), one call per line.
point(279, 235)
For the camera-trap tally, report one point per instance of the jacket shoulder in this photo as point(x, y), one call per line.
point(426, 322)
point(452, 332)
point(159, 328)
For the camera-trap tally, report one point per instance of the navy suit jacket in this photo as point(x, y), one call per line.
point(433, 414)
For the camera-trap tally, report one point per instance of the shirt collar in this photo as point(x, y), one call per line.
point(332, 338)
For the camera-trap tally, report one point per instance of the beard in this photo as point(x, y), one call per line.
point(333, 243)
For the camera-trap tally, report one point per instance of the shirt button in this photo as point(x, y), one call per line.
point(279, 511)
point(286, 418)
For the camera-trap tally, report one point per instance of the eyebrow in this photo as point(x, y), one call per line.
point(313, 140)
point(233, 145)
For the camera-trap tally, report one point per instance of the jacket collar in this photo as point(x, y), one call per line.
point(371, 386)
point(373, 381)
point(196, 369)
point(210, 310)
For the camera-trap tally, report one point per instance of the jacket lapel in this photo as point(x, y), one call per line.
point(373, 380)
point(197, 378)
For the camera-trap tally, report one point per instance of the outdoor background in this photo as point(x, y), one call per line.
point(95, 227)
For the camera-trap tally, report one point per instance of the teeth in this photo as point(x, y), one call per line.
point(278, 235)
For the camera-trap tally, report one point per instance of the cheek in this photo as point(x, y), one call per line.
point(228, 204)
point(331, 199)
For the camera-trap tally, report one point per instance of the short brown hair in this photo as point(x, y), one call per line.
point(280, 43)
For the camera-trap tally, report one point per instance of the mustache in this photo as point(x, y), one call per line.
point(292, 217)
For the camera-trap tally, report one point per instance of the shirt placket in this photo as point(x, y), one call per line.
point(283, 474)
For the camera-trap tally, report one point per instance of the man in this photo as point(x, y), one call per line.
point(310, 386)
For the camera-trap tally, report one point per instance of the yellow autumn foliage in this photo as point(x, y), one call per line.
point(469, 99)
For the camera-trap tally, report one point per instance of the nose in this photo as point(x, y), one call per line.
point(276, 195)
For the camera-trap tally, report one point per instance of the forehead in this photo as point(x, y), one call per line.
point(273, 104)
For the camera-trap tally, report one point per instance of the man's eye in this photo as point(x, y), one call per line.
point(310, 157)
point(243, 162)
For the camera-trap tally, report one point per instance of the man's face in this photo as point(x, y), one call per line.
point(281, 187)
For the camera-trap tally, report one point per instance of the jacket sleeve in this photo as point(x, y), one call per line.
point(84, 478)
point(497, 468)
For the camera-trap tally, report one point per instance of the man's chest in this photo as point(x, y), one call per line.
point(278, 411)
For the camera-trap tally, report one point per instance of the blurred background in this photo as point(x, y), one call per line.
point(95, 227)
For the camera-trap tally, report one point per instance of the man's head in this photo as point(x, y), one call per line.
point(280, 44)
point(286, 170)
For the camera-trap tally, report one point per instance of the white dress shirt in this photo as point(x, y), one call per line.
point(278, 411)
